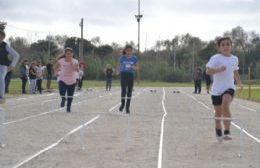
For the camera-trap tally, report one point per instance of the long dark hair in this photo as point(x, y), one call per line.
point(2, 28)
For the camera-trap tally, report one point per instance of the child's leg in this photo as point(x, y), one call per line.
point(123, 91)
point(34, 86)
point(130, 85)
point(3, 71)
point(218, 113)
point(70, 92)
point(110, 83)
point(107, 84)
point(217, 101)
point(199, 86)
point(62, 90)
point(31, 86)
point(195, 86)
point(226, 101)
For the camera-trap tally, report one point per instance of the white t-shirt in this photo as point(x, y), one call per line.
point(223, 80)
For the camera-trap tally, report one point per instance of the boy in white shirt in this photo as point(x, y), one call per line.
point(224, 68)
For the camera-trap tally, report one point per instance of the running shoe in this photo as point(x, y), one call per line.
point(219, 138)
point(227, 137)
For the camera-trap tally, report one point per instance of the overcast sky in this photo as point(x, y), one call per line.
point(113, 20)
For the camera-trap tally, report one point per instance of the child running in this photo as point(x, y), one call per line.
point(67, 67)
point(128, 64)
point(5, 66)
point(224, 68)
point(109, 75)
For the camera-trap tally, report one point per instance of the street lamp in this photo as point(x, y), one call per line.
point(138, 18)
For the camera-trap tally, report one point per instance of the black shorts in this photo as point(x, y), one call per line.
point(217, 100)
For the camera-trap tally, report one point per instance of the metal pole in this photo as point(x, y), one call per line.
point(249, 82)
point(138, 18)
point(49, 46)
point(81, 39)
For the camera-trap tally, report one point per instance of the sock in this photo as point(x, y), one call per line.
point(218, 132)
point(226, 132)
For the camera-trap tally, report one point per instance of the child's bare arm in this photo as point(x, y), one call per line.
point(212, 71)
point(237, 78)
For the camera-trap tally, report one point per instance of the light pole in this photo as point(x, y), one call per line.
point(138, 18)
point(81, 40)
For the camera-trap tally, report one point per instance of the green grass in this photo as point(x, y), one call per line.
point(15, 87)
point(255, 94)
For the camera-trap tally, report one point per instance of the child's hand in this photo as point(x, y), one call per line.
point(240, 85)
point(9, 68)
point(222, 68)
point(117, 72)
point(134, 67)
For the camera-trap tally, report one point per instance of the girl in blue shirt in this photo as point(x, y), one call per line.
point(128, 65)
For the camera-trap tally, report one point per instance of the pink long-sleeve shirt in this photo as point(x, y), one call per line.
point(67, 72)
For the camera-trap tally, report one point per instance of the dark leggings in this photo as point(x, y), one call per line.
point(24, 81)
point(197, 86)
point(63, 88)
point(7, 81)
point(109, 83)
point(80, 83)
point(39, 85)
point(127, 83)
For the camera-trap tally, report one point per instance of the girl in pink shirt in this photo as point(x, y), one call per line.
point(67, 66)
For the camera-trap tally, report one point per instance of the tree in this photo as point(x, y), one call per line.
point(40, 50)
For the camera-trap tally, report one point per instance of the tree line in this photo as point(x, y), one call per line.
point(171, 60)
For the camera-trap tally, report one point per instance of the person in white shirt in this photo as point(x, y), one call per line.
point(39, 74)
point(224, 68)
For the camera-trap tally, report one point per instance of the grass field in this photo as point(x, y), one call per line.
point(15, 87)
point(255, 94)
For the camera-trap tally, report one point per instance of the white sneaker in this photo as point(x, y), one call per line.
point(2, 145)
point(2, 100)
point(219, 138)
point(227, 138)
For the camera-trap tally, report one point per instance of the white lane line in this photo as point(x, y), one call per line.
point(245, 107)
point(32, 116)
point(159, 165)
point(46, 101)
point(101, 96)
point(234, 124)
point(41, 114)
point(56, 143)
point(114, 107)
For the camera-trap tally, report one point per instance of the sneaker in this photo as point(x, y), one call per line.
point(219, 138)
point(227, 138)
point(121, 108)
point(127, 111)
point(68, 110)
point(2, 100)
point(2, 145)
point(62, 104)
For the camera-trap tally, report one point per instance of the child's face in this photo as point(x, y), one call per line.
point(225, 47)
point(68, 54)
point(128, 51)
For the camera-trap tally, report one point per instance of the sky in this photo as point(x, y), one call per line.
point(114, 20)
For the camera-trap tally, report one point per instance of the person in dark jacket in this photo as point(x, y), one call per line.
point(24, 75)
point(5, 64)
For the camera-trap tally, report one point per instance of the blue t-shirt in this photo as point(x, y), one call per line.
point(127, 63)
